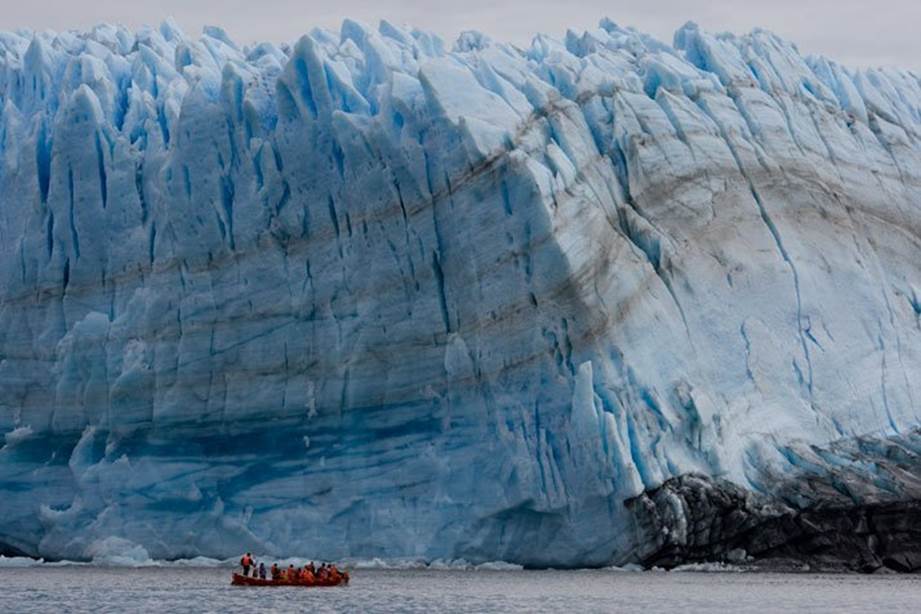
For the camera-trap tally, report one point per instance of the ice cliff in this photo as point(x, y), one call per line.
point(372, 295)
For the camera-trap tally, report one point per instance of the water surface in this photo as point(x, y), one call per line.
point(161, 590)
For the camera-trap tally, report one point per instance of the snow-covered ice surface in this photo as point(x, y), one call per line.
point(370, 295)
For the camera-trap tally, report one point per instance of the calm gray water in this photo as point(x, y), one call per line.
point(98, 590)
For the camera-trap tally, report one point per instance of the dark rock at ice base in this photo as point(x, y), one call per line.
point(825, 518)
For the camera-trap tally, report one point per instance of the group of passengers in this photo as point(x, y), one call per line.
point(326, 573)
point(308, 574)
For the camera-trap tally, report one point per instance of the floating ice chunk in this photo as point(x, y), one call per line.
point(19, 562)
point(118, 552)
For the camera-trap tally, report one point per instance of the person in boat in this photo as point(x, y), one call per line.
point(275, 571)
point(307, 576)
point(291, 576)
point(262, 571)
point(246, 562)
point(312, 568)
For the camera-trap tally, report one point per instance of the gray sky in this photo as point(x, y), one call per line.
point(856, 32)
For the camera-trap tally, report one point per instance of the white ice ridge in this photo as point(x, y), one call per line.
point(368, 296)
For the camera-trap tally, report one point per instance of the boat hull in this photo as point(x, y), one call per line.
point(241, 580)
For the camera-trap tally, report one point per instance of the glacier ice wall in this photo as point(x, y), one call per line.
point(367, 295)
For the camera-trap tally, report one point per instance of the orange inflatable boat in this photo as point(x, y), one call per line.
point(241, 580)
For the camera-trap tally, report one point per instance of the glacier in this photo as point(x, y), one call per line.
point(372, 295)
